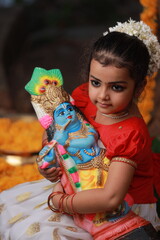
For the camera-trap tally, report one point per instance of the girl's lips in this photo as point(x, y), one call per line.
point(104, 105)
point(69, 117)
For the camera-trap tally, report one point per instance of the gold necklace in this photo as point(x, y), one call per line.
point(124, 114)
point(81, 133)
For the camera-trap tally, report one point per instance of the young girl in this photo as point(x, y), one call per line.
point(118, 64)
point(84, 165)
point(114, 81)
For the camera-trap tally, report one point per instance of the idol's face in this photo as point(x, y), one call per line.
point(64, 113)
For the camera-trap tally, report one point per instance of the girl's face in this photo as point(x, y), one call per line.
point(64, 113)
point(111, 89)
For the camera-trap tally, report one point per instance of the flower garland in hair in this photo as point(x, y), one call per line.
point(144, 33)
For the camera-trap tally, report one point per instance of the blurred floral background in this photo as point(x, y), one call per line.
point(54, 34)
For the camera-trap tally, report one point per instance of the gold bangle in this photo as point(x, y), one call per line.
point(72, 197)
point(53, 194)
point(67, 209)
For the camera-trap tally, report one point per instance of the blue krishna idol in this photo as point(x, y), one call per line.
point(72, 140)
point(73, 144)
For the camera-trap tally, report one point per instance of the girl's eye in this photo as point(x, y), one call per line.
point(95, 83)
point(118, 88)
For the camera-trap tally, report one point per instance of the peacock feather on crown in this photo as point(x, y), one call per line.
point(46, 89)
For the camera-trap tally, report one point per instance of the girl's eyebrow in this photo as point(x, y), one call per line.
point(95, 78)
point(117, 82)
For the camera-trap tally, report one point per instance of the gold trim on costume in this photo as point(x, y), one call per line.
point(125, 160)
point(96, 162)
point(55, 218)
point(33, 228)
point(73, 229)
point(49, 186)
point(40, 204)
point(16, 218)
point(24, 196)
point(56, 235)
point(1, 208)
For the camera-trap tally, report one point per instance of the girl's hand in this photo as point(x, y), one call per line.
point(58, 188)
point(52, 174)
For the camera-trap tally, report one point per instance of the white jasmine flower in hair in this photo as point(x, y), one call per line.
point(144, 33)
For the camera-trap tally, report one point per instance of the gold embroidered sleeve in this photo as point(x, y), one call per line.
point(124, 160)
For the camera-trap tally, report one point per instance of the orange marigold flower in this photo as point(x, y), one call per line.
point(20, 136)
point(13, 175)
point(149, 16)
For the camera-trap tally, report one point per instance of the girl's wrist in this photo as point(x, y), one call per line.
point(53, 200)
point(61, 203)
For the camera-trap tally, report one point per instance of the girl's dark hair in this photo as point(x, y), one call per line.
point(122, 50)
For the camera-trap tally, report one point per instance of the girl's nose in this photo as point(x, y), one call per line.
point(104, 95)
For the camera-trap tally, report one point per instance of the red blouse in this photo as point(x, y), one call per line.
point(128, 139)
